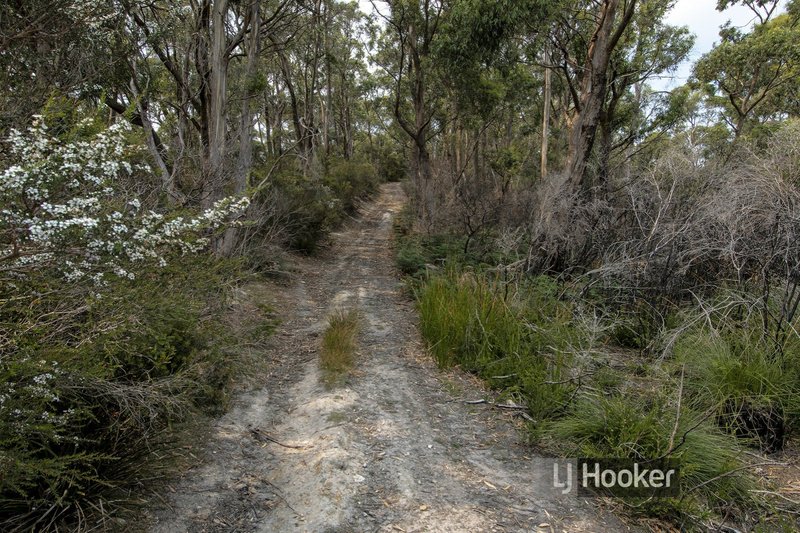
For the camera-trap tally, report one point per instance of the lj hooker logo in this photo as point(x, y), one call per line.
point(621, 478)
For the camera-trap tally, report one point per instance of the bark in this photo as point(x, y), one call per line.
point(245, 158)
point(422, 165)
point(347, 129)
point(629, 148)
point(167, 181)
point(300, 117)
point(593, 89)
point(546, 119)
point(327, 109)
point(154, 144)
point(217, 101)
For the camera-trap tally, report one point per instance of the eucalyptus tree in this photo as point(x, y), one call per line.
point(345, 74)
point(649, 48)
point(605, 53)
point(596, 28)
point(413, 26)
point(185, 49)
point(752, 78)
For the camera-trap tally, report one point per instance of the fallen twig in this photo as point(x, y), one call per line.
point(526, 416)
point(511, 406)
point(777, 494)
point(260, 435)
point(678, 411)
point(280, 495)
point(731, 472)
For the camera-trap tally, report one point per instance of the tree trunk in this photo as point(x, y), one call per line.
point(629, 149)
point(546, 118)
point(327, 111)
point(217, 102)
point(167, 181)
point(422, 182)
point(593, 89)
point(245, 159)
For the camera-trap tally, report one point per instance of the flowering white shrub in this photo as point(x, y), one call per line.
point(83, 382)
point(58, 209)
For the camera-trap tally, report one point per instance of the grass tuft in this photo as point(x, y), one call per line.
point(339, 343)
point(533, 340)
point(736, 373)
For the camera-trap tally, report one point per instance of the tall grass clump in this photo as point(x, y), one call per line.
point(528, 339)
point(752, 388)
point(339, 343)
point(485, 326)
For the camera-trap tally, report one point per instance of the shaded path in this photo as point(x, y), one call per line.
point(395, 449)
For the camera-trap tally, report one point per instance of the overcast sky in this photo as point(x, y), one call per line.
point(704, 21)
point(700, 16)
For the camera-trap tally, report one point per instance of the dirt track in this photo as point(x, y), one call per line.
point(394, 449)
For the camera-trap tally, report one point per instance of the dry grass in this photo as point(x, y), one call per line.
point(339, 343)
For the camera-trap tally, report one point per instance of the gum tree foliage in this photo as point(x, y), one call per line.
point(751, 78)
point(648, 49)
point(480, 46)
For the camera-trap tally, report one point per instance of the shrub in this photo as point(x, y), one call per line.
point(309, 209)
point(60, 211)
point(86, 398)
point(390, 163)
point(351, 181)
point(415, 253)
point(108, 324)
point(298, 211)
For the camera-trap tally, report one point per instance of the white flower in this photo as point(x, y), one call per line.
point(58, 202)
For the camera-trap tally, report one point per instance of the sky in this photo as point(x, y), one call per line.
point(700, 16)
point(704, 21)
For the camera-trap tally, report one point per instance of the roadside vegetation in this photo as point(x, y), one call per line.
point(719, 402)
point(121, 334)
point(621, 260)
point(629, 357)
point(143, 199)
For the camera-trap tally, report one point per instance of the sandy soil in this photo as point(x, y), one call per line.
point(395, 448)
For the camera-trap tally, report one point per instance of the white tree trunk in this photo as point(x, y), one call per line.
point(546, 118)
point(217, 103)
point(245, 159)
